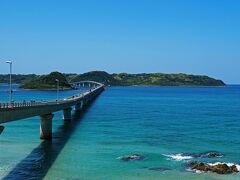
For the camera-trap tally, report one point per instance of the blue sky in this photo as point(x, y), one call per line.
point(169, 36)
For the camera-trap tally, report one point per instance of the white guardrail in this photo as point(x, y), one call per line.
point(13, 104)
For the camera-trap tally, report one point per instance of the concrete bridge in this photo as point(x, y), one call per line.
point(45, 109)
point(79, 84)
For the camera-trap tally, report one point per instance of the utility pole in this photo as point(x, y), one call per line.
point(57, 89)
point(10, 81)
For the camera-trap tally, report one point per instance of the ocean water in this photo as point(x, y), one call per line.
point(160, 123)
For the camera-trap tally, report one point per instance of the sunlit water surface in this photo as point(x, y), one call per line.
point(157, 122)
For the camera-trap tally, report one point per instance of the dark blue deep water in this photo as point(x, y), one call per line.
point(160, 123)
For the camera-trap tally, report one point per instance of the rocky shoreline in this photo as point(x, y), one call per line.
point(194, 166)
point(218, 168)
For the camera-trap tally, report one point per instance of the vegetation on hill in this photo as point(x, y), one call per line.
point(17, 78)
point(99, 76)
point(152, 79)
point(47, 82)
point(159, 79)
point(123, 79)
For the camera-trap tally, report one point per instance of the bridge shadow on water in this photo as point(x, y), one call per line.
point(40, 160)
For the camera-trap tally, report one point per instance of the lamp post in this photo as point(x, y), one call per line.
point(57, 88)
point(10, 81)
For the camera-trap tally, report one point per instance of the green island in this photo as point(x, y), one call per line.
point(146, 79)
point(48, 82)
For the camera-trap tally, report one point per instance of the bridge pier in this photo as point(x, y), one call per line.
point(78, 107)
point(46, 126)
point(22, 110)
point(67, 114)
point(85, 103)
point(1, 129)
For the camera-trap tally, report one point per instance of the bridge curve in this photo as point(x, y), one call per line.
point(82, 83)
point(22, 110)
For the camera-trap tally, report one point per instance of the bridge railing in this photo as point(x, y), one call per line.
point(24, 104)
point(36, 103)
point(77, 84)
point(45, 102)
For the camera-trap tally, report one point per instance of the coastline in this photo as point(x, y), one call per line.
point(66, 89)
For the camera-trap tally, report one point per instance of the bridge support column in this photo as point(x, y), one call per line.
point(46, 126)
point(67, 115)
point(1, 129)
point(85, 102)
point(78, 107)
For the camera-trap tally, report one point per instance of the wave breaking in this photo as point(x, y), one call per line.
point(188, 156)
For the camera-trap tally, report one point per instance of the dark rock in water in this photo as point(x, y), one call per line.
point(132, 157)
point(234, 168)
point(159, 169)
point(213, 155)
point(219, 168)
point(203, 155)
point(224, 169)
point(201, 167)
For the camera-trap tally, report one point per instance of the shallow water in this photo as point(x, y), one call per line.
point(157, 122)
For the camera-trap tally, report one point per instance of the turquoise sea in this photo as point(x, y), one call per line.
point(160, 123)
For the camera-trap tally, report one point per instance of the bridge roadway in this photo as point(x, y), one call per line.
point(22, 110)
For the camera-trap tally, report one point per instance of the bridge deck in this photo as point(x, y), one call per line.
point(21, 110)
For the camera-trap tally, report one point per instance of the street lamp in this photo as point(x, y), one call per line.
point(57, 88)
point(10, 81)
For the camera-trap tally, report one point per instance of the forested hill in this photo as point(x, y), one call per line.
point(17, 78)
point(33, 81)
point(48, 82)
point(144, 79)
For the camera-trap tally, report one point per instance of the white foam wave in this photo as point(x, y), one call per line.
point(178, 157)
point(194, 170)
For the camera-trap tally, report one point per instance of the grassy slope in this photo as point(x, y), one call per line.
point(47, 82)
point(154, 79)
point(123, 79)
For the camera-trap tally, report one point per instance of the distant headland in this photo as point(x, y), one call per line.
point(33, 81)
point(47, 82)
